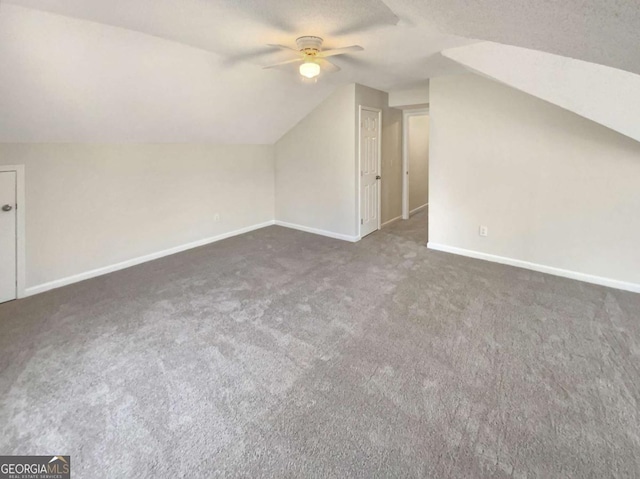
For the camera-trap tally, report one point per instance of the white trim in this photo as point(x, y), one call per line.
point(387, 223)
point(359, 173)
point(418, 209)
point(359, 170)
point(141, 259)
point(20, 228)
point(307, 229)
point(589, 278)
point(405, 157)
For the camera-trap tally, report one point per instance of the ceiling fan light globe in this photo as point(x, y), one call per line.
point(309, 69)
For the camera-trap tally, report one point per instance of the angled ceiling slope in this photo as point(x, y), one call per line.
point(150, 71)
point(70, 80)
point(226, 27)
point(606, 32)
point(602, 94)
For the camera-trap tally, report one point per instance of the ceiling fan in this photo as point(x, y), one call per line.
point(312, 57)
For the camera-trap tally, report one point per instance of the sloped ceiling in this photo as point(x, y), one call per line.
point(606, 95)
point(191, 70)
point(599, 31)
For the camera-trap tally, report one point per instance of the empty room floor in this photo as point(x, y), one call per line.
point(283, 354)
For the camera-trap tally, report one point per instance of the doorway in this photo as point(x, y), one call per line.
point(415, 162)
point(11, 232)
point(370, 167)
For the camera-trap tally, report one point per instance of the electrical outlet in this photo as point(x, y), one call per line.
point(484, 231)
point(216, 218)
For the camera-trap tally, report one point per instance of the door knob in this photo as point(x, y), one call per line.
point(7, 208)
point(378, 177)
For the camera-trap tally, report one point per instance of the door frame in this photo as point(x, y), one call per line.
point(359, 170)
point(406, 114)
point(20, 227)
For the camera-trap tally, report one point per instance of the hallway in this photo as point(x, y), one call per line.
point(415, 228)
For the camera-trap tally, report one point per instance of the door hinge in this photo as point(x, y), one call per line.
point(361, 221)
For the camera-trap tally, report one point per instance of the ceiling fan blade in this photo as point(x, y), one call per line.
point(340, 51)
point(327, 66)
point(295, 60)
point(283, 47)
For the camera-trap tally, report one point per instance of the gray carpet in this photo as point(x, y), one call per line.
point(283, 354)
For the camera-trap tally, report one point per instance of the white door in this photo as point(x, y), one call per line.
point(369, 171)
point(8, 219)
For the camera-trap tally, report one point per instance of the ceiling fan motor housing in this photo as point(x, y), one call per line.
point(309, 45)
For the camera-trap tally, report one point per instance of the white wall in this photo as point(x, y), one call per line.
point(553, 188)
point(91, 206)
point(317, 165)
point(603, 94)
point(391, 183)
point(417, 96)
point(418, 156)
point(314, 176)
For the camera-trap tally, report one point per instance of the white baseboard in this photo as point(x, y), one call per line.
point(418, 209)
point(141, 259)
point(387, 223)
point(588, 278)
point(317, 231)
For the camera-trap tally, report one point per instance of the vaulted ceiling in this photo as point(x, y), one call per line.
point(191, 70)
point(602, 94)
point(599, 31)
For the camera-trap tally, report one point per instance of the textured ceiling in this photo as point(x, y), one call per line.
point(599, 31)
point(229, 27)
point(190, 70)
